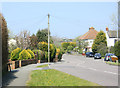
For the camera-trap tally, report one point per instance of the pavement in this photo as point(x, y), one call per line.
point(96, 71)
point(19, 76)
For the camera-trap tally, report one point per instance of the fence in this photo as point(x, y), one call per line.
point(19, 63)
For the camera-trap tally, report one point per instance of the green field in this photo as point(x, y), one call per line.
point(53, 77)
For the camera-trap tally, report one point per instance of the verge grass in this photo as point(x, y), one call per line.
point(113, 63)
point(41, 66)
point(52, 77)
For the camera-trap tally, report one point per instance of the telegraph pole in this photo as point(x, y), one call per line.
point(48, 40)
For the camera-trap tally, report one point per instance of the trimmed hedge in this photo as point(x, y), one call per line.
point(15, 54)
point(32, 54)
point(24, 55)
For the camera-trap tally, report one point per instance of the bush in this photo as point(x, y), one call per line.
point(43, 46)
point(80, 51)
point(32, 54)
point(40, 54)
point(46, 56)
point(59, 53)
point(69, 49)
point(24, 54)
point(52, 52)
point(66, 44)
point(15, 54)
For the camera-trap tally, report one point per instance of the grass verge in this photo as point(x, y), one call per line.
point(41, 66)
point(53, 77)
point(113, 63)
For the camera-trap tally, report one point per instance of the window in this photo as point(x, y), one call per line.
point(90, 41)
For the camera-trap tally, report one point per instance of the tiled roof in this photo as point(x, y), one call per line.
point(91, 34)
point(112, 34)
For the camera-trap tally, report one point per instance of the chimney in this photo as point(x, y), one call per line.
point(91, 28)
point(107, 29)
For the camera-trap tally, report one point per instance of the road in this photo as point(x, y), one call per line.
point(96, 71)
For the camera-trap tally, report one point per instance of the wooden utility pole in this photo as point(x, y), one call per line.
point(48, 40)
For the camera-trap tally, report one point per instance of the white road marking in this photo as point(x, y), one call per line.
point(111, 72)
point(92, 69)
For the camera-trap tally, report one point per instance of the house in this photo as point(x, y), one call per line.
point(89, 37)
point(111, 36)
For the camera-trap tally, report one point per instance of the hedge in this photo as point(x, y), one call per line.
point(24, 55)
point(15, 54)
point(32, 54)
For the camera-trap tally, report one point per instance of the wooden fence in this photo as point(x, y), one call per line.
point(19, 63)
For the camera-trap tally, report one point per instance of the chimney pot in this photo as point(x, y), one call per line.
point(107, 29)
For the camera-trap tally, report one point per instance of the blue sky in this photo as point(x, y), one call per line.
point(67, 19)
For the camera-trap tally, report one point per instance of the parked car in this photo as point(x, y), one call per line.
point(97, 56)
point(89, 54)
point(110, 57)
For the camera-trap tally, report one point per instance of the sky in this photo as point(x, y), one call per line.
point(67, 19)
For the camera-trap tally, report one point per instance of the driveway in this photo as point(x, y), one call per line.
point(96, 71)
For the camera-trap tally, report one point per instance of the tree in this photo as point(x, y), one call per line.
point(4, 32)
point(102, 49)
point(117, 49)
point(81, 44)
point(34, 41)
point(100, 38)
point(111, 49)
point(12, 45)
point(56, 41)
point(42, 35)
point(23, 39)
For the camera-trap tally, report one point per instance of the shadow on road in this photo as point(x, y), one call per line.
point(8, 77)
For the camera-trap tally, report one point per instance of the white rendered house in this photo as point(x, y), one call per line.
point(89, 37)
point(111, 36)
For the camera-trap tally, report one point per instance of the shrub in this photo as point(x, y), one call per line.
point(43, 46)
point(52, 52)
point(32, 54)
point(80, 51)
point(15, 54)
point(59, 53)
point(46, 56)
point(69, 49)
point(24, 54)
point(40, 54)
point(66, 44)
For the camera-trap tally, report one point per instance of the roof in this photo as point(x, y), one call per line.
point(112, 34)
point(91, 34)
